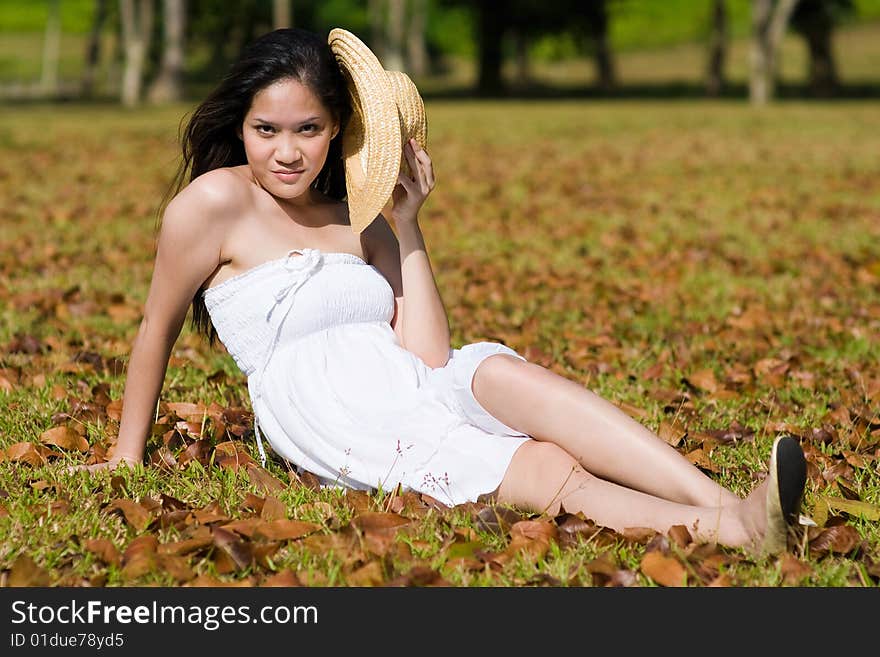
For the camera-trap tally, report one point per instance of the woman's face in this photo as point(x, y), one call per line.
point(285, 131)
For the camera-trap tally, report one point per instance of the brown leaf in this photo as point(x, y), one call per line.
point(65, 438)
point(371, 521)
point(370, 574)
point(273, 509)
point(285, 578)
point(664, 570)
point(722, 580)
point(420, 576)
point(703, 380)
point(680, 535)
point(263, 552)
point(26, 572)
point(639, 535)
point(263, 479)
point(176, 566)
point(358, 500)
point(205, 580)
point(114, 410)
point(245, 526)
point(231, 455)
point(140, 556)
point(253, 502)
point(104, 550)
point(236, 549)
point(793, 570)
point(841, 539)
point(633, 411)
point(25, 452)
point(531, 538)
point(284, 530)
point(187, 411)
point(496, 519)
point(135, 514)
point(672, 432)
point(186, 546)
point(700, 458)
point(211, 513)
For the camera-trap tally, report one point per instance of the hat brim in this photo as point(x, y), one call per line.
point(371, 143)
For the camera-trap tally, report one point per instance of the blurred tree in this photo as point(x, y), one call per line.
point(416, 38)
point(588, 22)
point(51, 41)
point(282, 13)
point(137, 28)
point(397, 34)
point(376, 10)
point(492, 21)
point(394, 35)
point(93, 49)
point(769, 22)
point(168, 84)
point(815, 20)
point(718, 38)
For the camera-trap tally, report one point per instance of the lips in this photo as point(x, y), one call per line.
point(288, 176)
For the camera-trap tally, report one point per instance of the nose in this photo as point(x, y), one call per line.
point(287, 151)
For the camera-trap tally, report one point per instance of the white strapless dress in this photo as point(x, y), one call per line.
point(335, 393)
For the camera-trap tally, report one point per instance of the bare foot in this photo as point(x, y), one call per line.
point(109, 466)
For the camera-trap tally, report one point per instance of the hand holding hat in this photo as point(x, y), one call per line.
point(387, 111)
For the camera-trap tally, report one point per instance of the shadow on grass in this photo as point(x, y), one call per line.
point(197, 90)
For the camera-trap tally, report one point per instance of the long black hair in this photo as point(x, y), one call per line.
point(210, 139)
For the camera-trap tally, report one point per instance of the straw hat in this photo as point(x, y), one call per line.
point(387, 110)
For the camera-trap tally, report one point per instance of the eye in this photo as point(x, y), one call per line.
point(264, 129)
point(310, 126)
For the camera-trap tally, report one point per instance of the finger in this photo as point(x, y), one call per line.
point(410, 155)
point(427, 167)
point(415, 164)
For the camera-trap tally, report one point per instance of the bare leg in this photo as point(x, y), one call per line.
point(542, 477)
point(605, 441)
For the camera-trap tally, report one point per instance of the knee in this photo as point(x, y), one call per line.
point(496, 370)
point(540, 475)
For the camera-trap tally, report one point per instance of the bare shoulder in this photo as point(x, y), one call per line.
point(223, 190)
point(208, 205)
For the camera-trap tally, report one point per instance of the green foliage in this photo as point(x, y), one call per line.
point(30, 15)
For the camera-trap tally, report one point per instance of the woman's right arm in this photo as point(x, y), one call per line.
point(188, 251)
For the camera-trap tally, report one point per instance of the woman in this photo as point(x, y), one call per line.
point(347, 381)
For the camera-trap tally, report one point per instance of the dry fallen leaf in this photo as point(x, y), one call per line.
point(664, 570)
point(65, 438)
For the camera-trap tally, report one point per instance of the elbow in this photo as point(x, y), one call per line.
point(438, 360)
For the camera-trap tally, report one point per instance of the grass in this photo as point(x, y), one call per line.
point(626, 245)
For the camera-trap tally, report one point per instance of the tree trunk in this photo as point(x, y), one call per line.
point(490, 26)
point(521, 48)
point(717, 48)
point(823, 70)
point(282, 14)
point(137, 26)
point(768, 27)
point(168, 85)
point(376, 12)
point(51, 43)
point(606, 79)
point(93, 49)
point(396, 27)
point(417, 50)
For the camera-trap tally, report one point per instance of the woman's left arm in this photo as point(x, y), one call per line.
point(424, 328)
